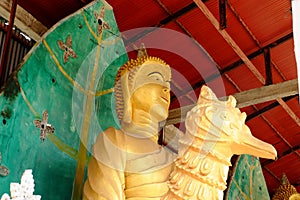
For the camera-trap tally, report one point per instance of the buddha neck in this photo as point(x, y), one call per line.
point(142, 125)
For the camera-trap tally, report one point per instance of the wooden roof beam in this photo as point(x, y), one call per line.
point(269, 107)
point(23, 20)
point(229, 40)
point(7, 41)
point(222, 14)
point(289, 111)
point(246, 98)
point(241, 54)
point(268, 67)
point(172, 17)
point(236, 64)
point(177, 14)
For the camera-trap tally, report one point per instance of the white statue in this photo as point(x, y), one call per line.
point(23, 190)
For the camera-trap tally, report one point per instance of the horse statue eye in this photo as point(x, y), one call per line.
point(224, 116)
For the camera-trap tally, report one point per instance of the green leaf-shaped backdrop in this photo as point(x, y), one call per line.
point(247, 181)
point(70, 73)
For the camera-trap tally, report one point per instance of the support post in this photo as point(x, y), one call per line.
point(7, 42)
point(222, 13)
point(268, 67)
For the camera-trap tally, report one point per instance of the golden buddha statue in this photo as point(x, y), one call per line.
point(129, 164)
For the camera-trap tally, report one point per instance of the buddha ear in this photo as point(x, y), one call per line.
point(127, 109)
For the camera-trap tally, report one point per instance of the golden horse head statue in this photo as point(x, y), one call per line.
point(221, 128)
point(215, 130)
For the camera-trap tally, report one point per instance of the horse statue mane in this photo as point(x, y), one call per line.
point(215, 130)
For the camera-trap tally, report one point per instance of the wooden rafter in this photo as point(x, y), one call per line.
point(246, 98)
point(175, 16)
point(229, 40)
point(233, 65)
point(289, 111)
point(270, 106)
point(237, 64)
point(222, 14)
point(7, 41)
point(23, 20)
point(241, 54)
point(268, 66)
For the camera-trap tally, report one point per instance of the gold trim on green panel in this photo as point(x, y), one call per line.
point(103, 92)
point(63, 146)
point(28, 103)
point(53, 138)
point(62, 70)
point(99, 40)
point(82, 154)
point(112, 42)
point(239, 188)
point(90, 28)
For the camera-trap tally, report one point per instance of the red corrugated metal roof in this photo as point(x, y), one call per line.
point(284, 58)
point(176, 5)
point(268, 20)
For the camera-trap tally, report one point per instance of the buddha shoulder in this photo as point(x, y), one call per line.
point(111, 135)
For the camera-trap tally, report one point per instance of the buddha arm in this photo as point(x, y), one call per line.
point(103, 182)
point(105, 178)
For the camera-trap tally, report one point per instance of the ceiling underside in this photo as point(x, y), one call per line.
point(255, 49)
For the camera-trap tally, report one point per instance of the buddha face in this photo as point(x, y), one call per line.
point(151, 90)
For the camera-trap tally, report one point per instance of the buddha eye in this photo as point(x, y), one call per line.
point(156, 76)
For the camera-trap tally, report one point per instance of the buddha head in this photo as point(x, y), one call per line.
point(142, 90)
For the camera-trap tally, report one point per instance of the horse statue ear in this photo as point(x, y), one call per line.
point(206, 94)
point(231, 101)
